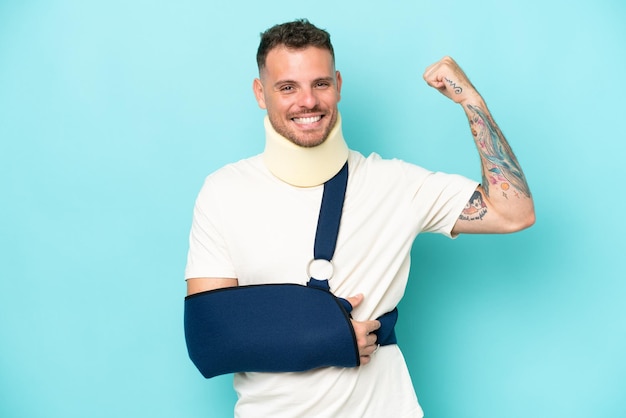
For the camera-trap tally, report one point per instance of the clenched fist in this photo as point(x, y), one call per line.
point(447, 77)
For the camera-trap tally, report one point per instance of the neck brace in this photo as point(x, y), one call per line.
point(301, 166)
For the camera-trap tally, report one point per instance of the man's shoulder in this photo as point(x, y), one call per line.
point(376, 163)
point(245, 167)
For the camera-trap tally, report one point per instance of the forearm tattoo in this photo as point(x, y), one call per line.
point(500, 163)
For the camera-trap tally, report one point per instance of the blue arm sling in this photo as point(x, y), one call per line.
point(280, 327)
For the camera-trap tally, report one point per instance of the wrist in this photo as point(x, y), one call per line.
point(474, 99)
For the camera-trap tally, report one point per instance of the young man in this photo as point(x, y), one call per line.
point(255, 221)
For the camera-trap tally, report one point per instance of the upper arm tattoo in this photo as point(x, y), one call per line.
point(503, 167)
point(475, 209)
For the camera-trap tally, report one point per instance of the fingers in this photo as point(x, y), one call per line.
point(433, 71)
point(367, 353)
point(447, 77)
point(355, 300)
point(433, 75)
point(365, 338)
point(372, 326)
point(364, 332)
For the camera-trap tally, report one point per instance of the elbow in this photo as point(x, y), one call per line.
point(528, 221)
point(522, 222)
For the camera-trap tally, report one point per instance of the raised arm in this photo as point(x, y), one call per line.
point(502, 203)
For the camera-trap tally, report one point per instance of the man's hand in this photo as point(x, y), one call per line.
point(447, 77)
point(363, 331)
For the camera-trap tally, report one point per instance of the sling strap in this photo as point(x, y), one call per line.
point(326, 235)
point(330, 215)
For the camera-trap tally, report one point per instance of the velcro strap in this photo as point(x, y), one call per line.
point(386, 333)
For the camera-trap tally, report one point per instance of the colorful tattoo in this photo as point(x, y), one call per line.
point(504, 169)
point(475, 209)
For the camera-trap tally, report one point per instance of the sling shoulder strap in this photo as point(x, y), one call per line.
point(326, 241)
point(327, 231)
point(330, 215)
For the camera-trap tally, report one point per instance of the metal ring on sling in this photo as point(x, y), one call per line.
point(320, 269)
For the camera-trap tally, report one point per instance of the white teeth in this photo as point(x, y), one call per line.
point(312, 119)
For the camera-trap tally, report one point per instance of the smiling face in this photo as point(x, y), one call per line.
point(300, 90)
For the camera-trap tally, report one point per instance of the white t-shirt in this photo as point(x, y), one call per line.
point(252, 226)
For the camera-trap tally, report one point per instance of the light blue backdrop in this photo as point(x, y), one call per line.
point(113, 112)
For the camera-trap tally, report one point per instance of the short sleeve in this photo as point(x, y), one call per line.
point(440, 199)
point(208, 254)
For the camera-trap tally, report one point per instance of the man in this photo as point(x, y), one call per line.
point(254, 221)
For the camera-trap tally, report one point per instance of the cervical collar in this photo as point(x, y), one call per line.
point(301, 166)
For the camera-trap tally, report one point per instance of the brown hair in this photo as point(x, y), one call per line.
point(298, 34)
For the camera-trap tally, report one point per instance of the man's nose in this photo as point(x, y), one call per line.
point(307, 99)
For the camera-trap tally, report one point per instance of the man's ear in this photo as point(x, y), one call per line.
point(339, 81)
point(257, 88)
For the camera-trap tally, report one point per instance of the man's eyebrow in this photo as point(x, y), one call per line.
point(281, 82)
point(328, 79)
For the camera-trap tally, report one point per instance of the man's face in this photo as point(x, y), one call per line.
point(300, 90)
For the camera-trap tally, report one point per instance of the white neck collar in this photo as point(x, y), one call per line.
point(301, 166)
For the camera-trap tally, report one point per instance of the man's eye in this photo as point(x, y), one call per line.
point(286, 89)
point(323, 85)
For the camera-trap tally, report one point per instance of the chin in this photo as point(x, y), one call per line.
point(307, 142)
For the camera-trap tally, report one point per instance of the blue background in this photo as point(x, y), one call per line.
point(113, 112)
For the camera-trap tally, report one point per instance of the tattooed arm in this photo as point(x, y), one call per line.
point(503, 202)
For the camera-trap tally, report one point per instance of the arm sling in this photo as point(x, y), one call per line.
point(280, 327)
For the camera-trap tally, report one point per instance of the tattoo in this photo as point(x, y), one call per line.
point(457, 89)
point(475, 209)
point(504, 169)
